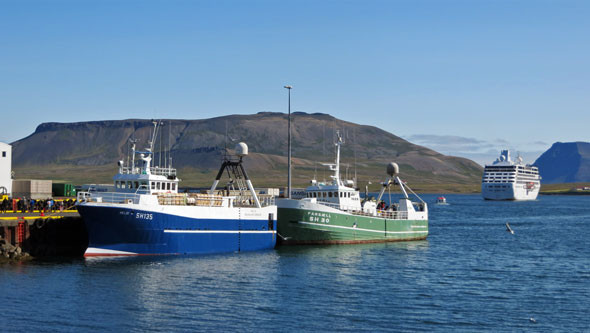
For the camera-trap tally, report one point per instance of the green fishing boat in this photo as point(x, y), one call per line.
point(334, 213)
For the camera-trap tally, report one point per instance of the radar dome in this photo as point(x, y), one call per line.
point(241, 149)
point(392, 169)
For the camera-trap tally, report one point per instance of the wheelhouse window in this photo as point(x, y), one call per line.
point(153, 185)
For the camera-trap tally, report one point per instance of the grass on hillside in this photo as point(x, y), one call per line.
point(204, 178)
point(561, 188)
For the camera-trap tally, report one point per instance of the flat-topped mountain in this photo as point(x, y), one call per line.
point(86, 152)
point(565, 162)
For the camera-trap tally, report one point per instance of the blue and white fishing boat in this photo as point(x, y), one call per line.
point(145, 214)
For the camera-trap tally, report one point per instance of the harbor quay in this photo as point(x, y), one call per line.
point(37, 234)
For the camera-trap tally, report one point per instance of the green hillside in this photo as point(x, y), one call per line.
point(87, 152)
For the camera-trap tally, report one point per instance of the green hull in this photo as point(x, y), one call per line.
point(305, 226)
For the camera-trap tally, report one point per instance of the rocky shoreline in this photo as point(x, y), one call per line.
point(9, 252)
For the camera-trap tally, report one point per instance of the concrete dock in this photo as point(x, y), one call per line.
point(36, 234)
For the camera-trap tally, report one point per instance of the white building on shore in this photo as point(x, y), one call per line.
point(5, 168)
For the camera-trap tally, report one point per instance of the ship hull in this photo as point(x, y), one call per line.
point(330, 226)
point(509, 191)
point(131, 229)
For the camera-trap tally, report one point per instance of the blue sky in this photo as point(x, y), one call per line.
point(465, 78)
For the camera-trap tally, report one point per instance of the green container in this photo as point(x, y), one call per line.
point(63, 190)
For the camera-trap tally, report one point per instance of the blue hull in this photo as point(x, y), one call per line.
point(128, 231)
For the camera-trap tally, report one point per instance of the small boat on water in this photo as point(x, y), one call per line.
point(334, 213)
point(145, 214)
point(441, 201)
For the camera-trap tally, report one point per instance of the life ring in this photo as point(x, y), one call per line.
point(39, 223)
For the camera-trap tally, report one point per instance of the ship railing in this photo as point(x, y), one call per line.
point(109, 197)
point(386, 214)
point(159, 171)
point(190, 199)
point(212, 200)
point(249, 201)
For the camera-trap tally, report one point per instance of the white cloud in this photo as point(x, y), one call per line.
point(480, 151)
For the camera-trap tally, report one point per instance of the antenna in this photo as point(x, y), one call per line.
point(169, 147)
point(315, 169)
point(324, 147)
point(160, 152)
point(324, 139)
point(354, 147)
point(127, 144)
point(225, 142)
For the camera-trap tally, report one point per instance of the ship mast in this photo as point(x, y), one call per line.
point(338, 143)
point(336, 167)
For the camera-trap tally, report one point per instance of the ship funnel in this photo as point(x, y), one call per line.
point(241, 149)
point(392, 169)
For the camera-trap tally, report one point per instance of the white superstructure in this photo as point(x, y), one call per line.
point(342, 196)
point(506, 179)
point(5, 168)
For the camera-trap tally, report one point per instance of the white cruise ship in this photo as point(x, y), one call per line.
point(510, 180)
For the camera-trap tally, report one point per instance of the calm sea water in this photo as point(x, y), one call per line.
point(470, 275)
